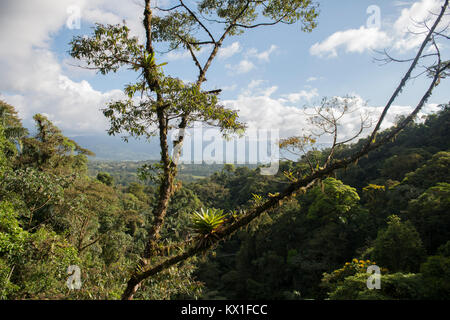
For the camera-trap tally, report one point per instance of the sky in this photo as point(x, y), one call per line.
point(269, 74)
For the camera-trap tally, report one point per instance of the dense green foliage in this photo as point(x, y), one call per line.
point(397, 215)
point(55, 213)
point(126, 172)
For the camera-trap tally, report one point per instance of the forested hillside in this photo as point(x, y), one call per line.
point(365, 218)
point(390, 209)
point(125, 172)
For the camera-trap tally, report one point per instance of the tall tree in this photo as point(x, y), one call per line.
point(49, 150)
point(166, 102)
point(158, 103)
point(13, 129)
point(399, 247)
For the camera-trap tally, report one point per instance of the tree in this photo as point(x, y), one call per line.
point(47, 164)
point(288, 251)
point(399, 247)
point(12, 125)
point(32, 264)
point(397, 166)
point(435, 170)
point(105, 178)
point(430, 215)
point(436, 274)
point(397, 286)
point(4, 147)
point(51, 151)
point(333, 201)
point(167, 103)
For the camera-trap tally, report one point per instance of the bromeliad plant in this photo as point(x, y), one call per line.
point(206, 223)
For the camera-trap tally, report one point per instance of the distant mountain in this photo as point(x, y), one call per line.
point(114, 148)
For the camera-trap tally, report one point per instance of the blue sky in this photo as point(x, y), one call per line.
point(269, 73)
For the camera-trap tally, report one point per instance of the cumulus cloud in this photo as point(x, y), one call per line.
point(177, 55)
point(260, 109)
point(75, 106)
point(312, 79)
point(185, 54)
point(243, 66)
point(34, 80)
point(250, 57)
point(353, 40)
point(401, 3)
point(403, 35)
point(261, 56)
point(255, 83)
point(229, 88)
point(408, 34)
point(302, 95)
point(229, 51)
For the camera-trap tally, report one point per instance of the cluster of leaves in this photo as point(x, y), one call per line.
point(110, 48)
point(49, 150)
point(12, 129)
point(331, 281)
point(182, 27)
point(140, 119)
point(207, 221)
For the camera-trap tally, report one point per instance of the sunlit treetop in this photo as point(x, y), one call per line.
point(183, 25)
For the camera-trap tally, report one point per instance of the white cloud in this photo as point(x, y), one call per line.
point(242, 67)
point(246, 64)
point(401, 3)
point(353, 40)
point(265, 112)
point(75, 106)
point(302, 95)
point(185, 54)
point(227, 52)
point(262, 56)
point(255, 83)
point(177, 55)
point(403, 35)
point(261, 110)
point(408, 34)
point(34, 81)
point(229, 88)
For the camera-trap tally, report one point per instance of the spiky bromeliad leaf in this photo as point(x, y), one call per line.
point(207, 221)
